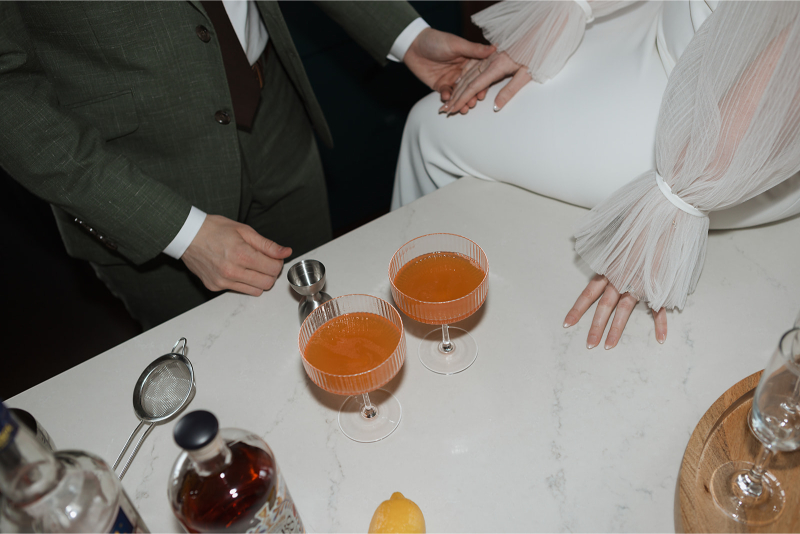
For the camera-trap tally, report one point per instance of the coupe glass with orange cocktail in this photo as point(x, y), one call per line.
point(441, 279)
point(353, 345)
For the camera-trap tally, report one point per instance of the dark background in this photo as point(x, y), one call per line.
point(58, 314)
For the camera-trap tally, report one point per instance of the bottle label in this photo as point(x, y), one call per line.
point(122, 523)
point(282, 517)
point(8, 427)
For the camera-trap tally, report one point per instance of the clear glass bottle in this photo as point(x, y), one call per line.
point(227, 481)
point(66, 491)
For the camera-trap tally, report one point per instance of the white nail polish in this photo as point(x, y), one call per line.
point(567, 325)
point(496, 109)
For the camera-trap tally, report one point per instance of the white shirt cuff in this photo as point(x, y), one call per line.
point(404, 40)
point(184, 238)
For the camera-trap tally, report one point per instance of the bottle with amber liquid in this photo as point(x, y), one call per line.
point(227, 480)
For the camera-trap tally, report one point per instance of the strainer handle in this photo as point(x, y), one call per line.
point(127, 444)
point(182, 344)
point(135, 450)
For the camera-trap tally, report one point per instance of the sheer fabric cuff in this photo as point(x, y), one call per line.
point(644, 244)
point(542, 35)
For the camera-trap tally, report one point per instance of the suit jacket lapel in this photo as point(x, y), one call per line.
point(199, 7)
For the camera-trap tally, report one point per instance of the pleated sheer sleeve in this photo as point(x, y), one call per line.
point(541, 34)
point(728, 130)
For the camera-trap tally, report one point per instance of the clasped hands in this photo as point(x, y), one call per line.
point(476, 78)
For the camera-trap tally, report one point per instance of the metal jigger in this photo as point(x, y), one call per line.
point(307, 278)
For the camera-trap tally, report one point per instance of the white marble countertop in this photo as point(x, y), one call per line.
point(540, 434)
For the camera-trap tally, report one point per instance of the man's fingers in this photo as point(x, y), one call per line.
point(261, 279)
point(520, 79)
point(245, 288)
point(251, 281)
point(660, 318)
point(264, 245)
point(621, 315)
point(450, 82)
point(465, 48)
point(606, 305)
point(592, 292)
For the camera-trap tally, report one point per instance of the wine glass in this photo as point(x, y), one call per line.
point(353, 345)
point(745, 491)
point(440, 279)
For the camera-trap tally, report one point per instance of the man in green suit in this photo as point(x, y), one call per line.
point(121, 116)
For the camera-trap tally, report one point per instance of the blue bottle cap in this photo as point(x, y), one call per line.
point(195, 430)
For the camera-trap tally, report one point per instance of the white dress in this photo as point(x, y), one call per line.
point(613, 111)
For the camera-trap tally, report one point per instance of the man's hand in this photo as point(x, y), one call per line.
point(228, 255)
point(611, 300)
point(478, 76)
point(438, 58)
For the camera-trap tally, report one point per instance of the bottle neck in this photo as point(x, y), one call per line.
point(213, 457)
point(27, 469)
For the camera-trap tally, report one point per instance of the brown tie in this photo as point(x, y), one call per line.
point(242, 81)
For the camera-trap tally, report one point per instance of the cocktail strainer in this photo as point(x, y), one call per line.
point(164, 388)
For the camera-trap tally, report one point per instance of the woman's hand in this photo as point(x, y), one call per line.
point(476, 78)
point(610, 300)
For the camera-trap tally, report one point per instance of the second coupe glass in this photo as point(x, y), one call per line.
point(440, 279)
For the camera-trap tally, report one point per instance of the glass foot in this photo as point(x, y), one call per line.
point(733, 502)
point(356, 425)
point(463, 354)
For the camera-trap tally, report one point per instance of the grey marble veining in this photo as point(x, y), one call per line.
point(540, 434)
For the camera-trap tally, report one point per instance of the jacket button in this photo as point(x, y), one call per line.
point(222, 117)
point(203, 33)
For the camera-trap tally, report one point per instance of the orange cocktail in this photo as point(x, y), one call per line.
point(353, 345)
point(438, 283)
point(441, 279)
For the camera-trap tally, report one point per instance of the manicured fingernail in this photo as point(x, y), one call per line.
point(661, 339)
point(591, 345)
point(496, 108)
point(608, 346)
point(567, 325)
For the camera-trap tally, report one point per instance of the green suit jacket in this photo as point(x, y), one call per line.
point(108, 112)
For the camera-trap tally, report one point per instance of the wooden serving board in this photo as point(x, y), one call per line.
point(722, 435)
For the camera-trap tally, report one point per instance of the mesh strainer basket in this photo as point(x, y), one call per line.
point(164, 388)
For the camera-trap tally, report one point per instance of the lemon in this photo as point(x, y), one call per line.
point(398, 514)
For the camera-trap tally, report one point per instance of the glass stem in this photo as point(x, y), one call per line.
point(750, 483)
point(368, 411)
point(796, 394)
point(447, 345)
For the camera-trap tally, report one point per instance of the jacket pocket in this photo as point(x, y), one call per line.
point(114, 115)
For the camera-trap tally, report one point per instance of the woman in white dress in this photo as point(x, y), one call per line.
point(700, 101)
